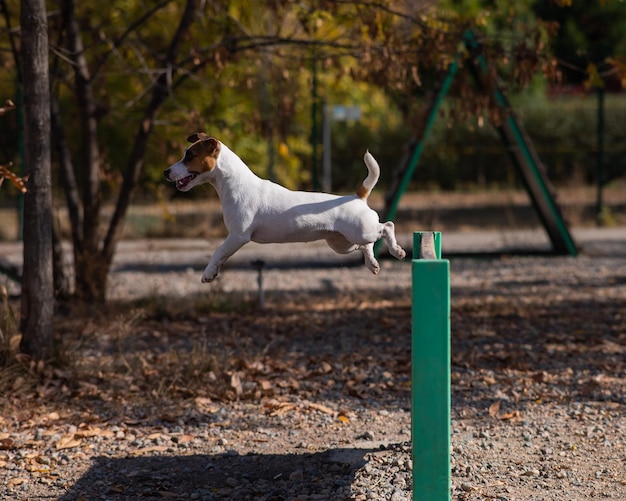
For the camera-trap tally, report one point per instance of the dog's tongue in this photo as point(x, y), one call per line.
point(181, 183)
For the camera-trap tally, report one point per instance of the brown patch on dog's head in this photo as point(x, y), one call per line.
point(202, 155)
point(197, 136)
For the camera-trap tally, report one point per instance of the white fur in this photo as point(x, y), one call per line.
point(261, 211)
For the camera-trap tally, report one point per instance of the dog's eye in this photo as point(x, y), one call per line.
point(189, 156)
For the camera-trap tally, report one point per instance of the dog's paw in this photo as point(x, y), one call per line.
point(373, 266)
point(208, 276)
point(399, 253)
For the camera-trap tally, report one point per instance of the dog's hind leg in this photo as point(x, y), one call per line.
point(340, 244)
point(370, 260)
point(389, 234)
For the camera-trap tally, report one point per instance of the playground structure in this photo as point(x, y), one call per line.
point(512, 133)
point(430, 373)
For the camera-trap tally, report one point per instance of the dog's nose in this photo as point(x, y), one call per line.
point(167, 174)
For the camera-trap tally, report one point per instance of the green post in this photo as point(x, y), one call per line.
point(430, 347)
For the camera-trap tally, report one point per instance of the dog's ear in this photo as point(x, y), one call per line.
point(212, 146)
point(198, 136)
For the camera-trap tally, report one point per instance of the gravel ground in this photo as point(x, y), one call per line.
point(538, 375)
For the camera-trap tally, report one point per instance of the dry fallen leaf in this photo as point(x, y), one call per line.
point(320, 407)
point(7, 444)
point(14, 482)
point(206, 404)
point(282, 408)
point(221, 424)
point(34, 468)
point(325, 367)
point(67, 441)
point(513, 416)
point(183, 439)
point(93, 432)
point(494, 408)
point(235, 383)
point(265, 385)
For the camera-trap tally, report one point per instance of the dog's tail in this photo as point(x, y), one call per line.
point(373, 173)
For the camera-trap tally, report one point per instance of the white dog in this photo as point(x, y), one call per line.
point(261, 211)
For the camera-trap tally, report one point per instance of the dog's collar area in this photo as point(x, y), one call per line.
point(182, 182)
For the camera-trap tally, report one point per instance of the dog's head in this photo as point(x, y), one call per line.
point(196, 165)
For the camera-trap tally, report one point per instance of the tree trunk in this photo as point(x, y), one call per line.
point(37, 280)
point(90, 286)
point(61, 280)
point(92, 272)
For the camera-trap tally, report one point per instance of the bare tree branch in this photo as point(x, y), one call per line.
point(161, 91)
point(14, 49)
point(131, 28)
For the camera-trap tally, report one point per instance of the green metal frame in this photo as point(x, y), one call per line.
point(419, 146)
point(519, 146)
point(430, 378)
point(525, 158)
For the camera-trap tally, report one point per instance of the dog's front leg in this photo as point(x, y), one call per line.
point(229, 246)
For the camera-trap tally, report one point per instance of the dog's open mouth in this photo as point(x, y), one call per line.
point(181, 183)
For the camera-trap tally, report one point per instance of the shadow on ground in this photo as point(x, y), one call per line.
point(225, 476)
